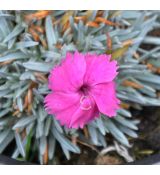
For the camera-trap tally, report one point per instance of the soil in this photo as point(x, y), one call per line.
point(148, 142)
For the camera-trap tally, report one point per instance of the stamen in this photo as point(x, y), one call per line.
point(85, 103)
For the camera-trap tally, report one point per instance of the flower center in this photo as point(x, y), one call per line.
point(84, 89)
point(85, 100)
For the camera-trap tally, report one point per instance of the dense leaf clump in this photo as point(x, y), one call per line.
point(32, 42)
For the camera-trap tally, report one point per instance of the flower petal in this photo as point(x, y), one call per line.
point(69, 75)
point(72, 110)
point(99, 69)
point(59, 101)
point(105, 98)
point(62, 105)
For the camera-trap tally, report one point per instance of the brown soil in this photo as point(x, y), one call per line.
point(148, 141)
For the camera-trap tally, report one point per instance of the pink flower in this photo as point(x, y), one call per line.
point(82, 87)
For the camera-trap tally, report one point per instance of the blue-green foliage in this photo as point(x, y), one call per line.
point(21, 57)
